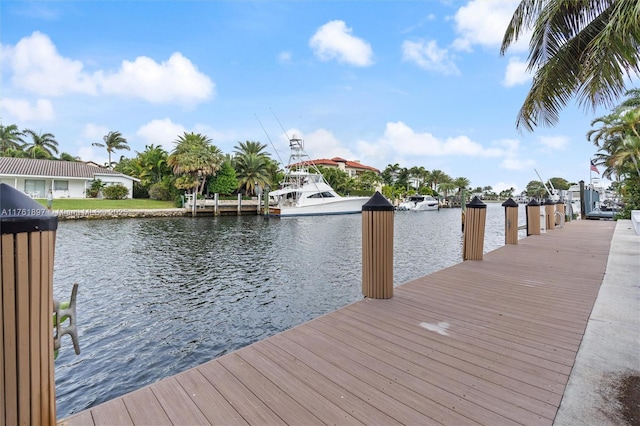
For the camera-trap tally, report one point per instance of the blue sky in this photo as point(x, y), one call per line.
point(418, 83)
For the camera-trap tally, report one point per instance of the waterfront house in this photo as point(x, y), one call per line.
point(66, 179)
point(352, 168)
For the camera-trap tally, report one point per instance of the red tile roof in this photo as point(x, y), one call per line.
point(335, 160)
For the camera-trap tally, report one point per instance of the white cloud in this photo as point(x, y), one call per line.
point(284, 57)
point(161, 132)
point(516, 73)
point(174, 80)
point(553, 143)
point(90, 153)
point(322, 143)
point(334, 40)
point(23, 110)
point(514, 163)
point(427, 55)
point(482, 22)
point(37, 67)
point(94, 132)
point(404, 140)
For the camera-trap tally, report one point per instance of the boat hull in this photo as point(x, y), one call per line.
point(425, 208)
point(350, 205)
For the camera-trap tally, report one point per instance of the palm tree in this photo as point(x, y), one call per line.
point(112, 141)
point(446, 187)
point(251, 165)
point(42, 145)
point(586, 48)
point(461, 183)
point(250, 147)
point(618, 137)
point(153, 161)
point(68, 157)
point(251, 170)
point(194, 158)
point(10, 138)
point(438, 176)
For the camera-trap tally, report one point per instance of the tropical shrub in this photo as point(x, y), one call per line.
point(115, 192)
point(158, 191)
point(95, 188)
point(224, 182)
point(631, 198)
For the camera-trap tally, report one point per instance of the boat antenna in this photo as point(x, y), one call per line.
point(283, 130)
point(270, 141)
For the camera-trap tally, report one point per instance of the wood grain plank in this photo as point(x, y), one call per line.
point(217, 409)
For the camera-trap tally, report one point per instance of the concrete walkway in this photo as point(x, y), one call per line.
point(610, 349)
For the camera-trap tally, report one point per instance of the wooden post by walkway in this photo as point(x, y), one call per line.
point(27, 385)
point(473, 242)
point(533, 218)
point(239, 204)
point(510, 221)
point(550, 211)
point(561, 219)
point(377, 248)
point(216, 208)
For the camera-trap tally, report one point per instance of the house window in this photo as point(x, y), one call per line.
point(34, 188)
point(61, 185)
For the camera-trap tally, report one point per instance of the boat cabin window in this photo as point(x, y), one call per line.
point(321, 195)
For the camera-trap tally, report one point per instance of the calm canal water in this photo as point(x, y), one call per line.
point(159, 296)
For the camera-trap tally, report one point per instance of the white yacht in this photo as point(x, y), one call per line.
point(304, 192)
point(418, 203)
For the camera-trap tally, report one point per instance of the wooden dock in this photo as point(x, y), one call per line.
point(488, 342)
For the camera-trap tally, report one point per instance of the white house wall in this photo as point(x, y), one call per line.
point(75, 187)
point(114, 180)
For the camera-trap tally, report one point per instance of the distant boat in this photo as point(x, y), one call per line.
point(419, 203)
point(305, 192)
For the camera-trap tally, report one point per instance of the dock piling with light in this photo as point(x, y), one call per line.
point(510, 221)
point(533, 218)
point(550, 211)
point(27, 383)
point(377, 248)
point(473, 242)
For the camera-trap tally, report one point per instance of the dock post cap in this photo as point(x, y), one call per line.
point(549, 202)
point(19, 213)
point(476, 203)
point(533, 203)
point(377, 203)
point(559, 202)
point(509, 203)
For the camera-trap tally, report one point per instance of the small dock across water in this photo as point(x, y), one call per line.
point(489, 342)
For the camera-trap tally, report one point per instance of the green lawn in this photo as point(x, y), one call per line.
point(93, 204)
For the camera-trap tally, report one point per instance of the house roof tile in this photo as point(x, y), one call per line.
point(52, 168)
point(334, 162)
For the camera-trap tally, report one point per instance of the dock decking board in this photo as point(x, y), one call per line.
point(483, 342)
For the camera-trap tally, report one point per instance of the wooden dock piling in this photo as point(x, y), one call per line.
point(473, 242)
point(377, 248)
point(510, 221)
point(533, 218)
point(550, 212)
point(27, 385)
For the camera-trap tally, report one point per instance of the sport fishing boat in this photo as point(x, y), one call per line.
point(305, 192)
point(419, 203)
